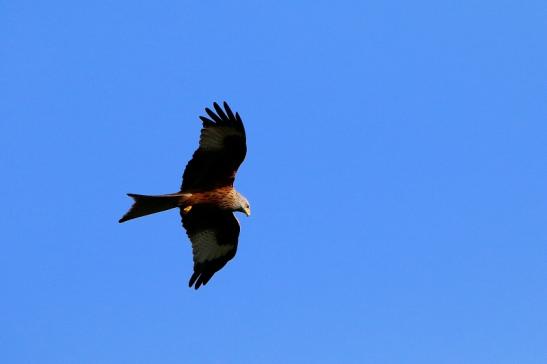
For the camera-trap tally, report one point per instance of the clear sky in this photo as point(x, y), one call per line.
point(397, 172)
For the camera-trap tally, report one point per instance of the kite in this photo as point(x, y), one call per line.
point(207, 198)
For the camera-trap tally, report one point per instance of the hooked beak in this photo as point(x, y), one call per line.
point(247, 211)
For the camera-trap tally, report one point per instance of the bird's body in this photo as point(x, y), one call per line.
point(225, 198)
point(207, 198)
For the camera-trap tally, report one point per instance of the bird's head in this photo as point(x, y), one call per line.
point(244, 205)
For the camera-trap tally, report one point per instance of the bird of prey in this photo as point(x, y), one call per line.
point(207, 198)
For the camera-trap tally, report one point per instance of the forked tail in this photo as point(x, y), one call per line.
point(146, 205)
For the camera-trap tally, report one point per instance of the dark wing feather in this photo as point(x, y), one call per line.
point(214, 234)
point(222, 149)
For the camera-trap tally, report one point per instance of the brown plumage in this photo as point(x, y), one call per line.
point(207, 198)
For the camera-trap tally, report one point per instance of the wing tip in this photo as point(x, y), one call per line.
point(206, 121)
point(193, 279)
point(199, 278)
point(221, 117)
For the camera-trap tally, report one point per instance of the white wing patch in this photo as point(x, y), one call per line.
point(213, 138)
point(206, 248)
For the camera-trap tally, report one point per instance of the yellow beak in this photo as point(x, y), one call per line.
point(247, 211)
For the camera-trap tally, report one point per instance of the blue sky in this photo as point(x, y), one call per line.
point(396, 171)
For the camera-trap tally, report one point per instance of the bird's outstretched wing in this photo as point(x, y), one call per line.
point(214, 234)
point(222, 149)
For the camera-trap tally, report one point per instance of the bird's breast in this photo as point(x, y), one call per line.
point(223, 197)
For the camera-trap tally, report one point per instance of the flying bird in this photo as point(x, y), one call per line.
point(207, 198)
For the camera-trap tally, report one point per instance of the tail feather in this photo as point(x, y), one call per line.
point(146, 205)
